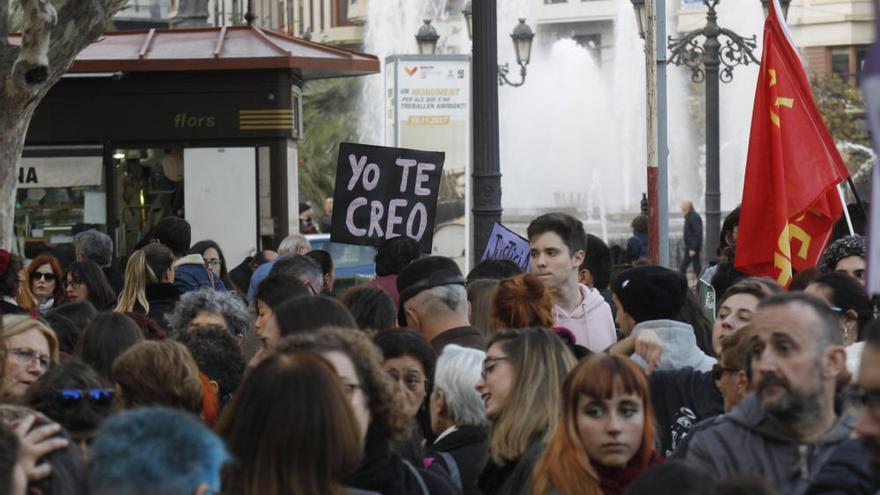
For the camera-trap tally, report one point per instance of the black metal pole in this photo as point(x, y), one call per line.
point(711, 62)
point(486, 163)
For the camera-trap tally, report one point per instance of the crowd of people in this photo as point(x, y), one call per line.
point(180, 375)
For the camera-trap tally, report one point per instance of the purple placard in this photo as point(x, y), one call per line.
point(504, 244)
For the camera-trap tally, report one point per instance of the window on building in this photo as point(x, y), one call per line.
point(840, 61)
point(861, 55)
point(340, 13)
point(555, 1)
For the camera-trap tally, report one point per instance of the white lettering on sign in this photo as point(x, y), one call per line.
point(393, 218)
point(360, 169)
point(422, 177)
point(423, 221)
point(376, 212)
point(406, 163)
point(349, 216)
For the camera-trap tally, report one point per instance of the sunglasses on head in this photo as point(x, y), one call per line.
point(49, 277)
point(102, 397)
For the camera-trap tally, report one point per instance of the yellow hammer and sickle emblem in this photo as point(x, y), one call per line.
point(782, 257)
point(780, 101)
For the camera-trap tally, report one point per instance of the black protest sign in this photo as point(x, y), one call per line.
point(383, 193)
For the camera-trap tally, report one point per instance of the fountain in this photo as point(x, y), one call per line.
point(573, 137)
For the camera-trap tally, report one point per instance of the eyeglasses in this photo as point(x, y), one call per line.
point(26, 356)
point(489, 365)
point(48, 277)
point(69, 283)
point(214, 262)
point(411, 380)
point(100, 397)
point(859, 398)
point(718, 371)
point(350, 388)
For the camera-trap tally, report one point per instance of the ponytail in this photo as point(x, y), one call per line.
point(137, 275)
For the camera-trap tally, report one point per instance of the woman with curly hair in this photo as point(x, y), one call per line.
point(605, 436)
point(42, 285)
point(378, 408)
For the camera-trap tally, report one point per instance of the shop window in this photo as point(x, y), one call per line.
point(149, 187)
point(58, 197)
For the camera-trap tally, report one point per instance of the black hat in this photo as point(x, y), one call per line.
point(424, 274)
point(304, 206)
point(651, 292)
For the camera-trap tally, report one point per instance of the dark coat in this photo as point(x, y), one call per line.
point(383, 471)
point(636, 247)
point(194, 276)
point(846, 473)
point(115, 278)
point(463, 336)
point(241, 275)
point(7, 308)
point(162, 297)
point(514, 477)
point(693, 231)
point(469, 446)
point(682, 398)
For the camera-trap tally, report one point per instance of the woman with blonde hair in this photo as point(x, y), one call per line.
point(523, 301)
point(30, 349)
point(42, 289)
point(521, 388)
point(605, 437)
point(149, 287)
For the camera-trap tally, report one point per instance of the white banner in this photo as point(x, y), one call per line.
point(67, 171)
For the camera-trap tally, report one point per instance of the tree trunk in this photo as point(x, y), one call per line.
point(49, 45)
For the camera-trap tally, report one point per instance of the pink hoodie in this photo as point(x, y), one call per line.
point(590, 321)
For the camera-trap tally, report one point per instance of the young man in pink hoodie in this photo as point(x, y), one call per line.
point(558, 247)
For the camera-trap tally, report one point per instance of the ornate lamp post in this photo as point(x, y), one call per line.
point(427, 38)
point(487, 77)
point(709, 63)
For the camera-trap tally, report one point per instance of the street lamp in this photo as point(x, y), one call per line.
point(468, 14)
point(522, 37)
point(427, 38)
point(522, 45)
point(785, 4)
point(641, 16)
point(710, 63)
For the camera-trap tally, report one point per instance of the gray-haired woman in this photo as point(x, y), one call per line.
point(458, 417)
point(206, 307)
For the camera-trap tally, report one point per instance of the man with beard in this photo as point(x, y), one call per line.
point(787, 430)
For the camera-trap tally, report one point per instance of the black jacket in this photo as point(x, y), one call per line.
point(693, 231)
point(681, 399)
point(469, 446)
point(241, 276)
point(385, 472)
point(463, 336)
point(115, 278)
point(845, 473)
point(162, 298)
point(511, 478)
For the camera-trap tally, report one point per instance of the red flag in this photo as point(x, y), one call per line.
point(790, 201)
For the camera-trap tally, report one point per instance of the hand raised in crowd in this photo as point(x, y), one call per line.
point(36, 443)
point(650, 348)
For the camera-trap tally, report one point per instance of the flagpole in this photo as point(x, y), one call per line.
point(845, 209)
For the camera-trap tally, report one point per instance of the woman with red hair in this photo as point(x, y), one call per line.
point(605, 437)
point(522, 301)
point(42, 289)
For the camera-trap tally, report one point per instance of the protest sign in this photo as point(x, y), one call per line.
point(706, 294)
point(382, 193)
point(504, 244)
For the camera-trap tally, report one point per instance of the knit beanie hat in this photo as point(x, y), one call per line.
point(651, 292)
point(851, 245)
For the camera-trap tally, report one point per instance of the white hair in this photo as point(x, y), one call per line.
point(294, 244)
point(455, 376)
point(441, 298)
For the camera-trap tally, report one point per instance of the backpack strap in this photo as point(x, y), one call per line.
point(418, 476)
point(452, 469)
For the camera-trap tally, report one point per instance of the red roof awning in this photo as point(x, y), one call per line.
point(223, 48)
